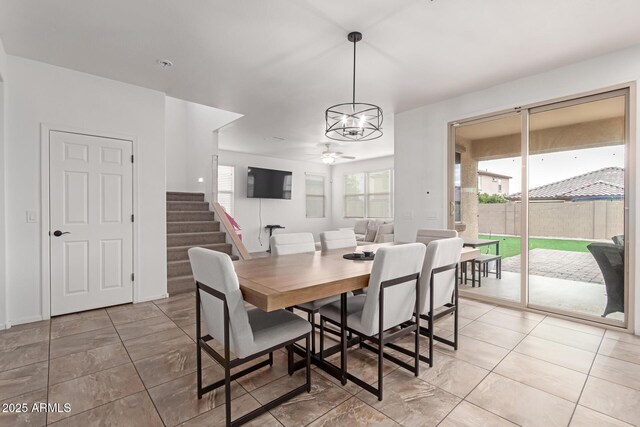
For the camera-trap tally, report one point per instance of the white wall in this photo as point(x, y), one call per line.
point(337, 185)
point(41, 93)
point(421, 137)
point(288, 213)
point(3, 278)
point(191, 141)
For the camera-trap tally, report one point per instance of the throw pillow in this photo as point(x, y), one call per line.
point(361, 226)
point(372, 231)
point(382, 230)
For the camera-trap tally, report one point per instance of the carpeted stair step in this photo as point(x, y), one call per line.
point(187, 206)
point(176, 196)
point(179, 268)
point(186, 216)
point(190, 224)
point(179, 253)
point(176, 285)
point(195, 239)
point(192, 227)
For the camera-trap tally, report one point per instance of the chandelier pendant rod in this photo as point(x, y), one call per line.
point(354, 72)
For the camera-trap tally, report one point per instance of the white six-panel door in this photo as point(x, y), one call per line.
point(90, 199)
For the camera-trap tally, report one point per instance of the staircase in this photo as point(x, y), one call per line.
point(189, 224)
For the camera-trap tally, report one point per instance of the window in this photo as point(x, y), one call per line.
point(315, 195)
point(368, 194)
point(354, 195)
point(225, 187)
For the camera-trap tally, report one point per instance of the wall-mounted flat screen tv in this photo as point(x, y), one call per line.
point(268, 184)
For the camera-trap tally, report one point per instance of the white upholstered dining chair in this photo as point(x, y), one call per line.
point(438, 289)
point(392, 299)
point(426, 235)
point(337, 239)
point(295, 243)
point(292, 243)
point(248, 334)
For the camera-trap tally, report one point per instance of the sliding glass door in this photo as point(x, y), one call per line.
point(576, 206)
point(541, 192)
point(488, 169)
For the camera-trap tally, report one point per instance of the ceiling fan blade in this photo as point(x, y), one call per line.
point(347, 157)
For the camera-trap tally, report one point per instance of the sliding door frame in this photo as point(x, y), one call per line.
point(629, 91)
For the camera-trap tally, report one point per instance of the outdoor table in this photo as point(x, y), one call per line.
point(476, 243)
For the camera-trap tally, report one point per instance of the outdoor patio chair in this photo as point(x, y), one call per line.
point(618, 240)
point(610, 259)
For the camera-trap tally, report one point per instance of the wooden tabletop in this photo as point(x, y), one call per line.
point(277, 282)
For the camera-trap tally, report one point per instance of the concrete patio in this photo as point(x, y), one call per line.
point(572, 295)
point(576, 266)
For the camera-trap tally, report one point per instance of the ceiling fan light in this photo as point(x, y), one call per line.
point(328, 159)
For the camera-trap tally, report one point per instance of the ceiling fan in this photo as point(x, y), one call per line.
point(329, 157)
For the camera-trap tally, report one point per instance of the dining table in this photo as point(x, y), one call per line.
point(276, 282)
point(281, 282)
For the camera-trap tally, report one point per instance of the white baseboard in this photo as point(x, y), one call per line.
point(24, 320)
point(5, 326)
point(151, 298)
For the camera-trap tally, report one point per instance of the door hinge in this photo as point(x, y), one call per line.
point(132, 277)
point(132, 158)
point(132, 217)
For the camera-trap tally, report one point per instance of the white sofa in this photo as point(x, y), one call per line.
point(369, 231)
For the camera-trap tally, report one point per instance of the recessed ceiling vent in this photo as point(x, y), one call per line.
point(165, 63)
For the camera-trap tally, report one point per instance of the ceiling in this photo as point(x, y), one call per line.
point(281, 63)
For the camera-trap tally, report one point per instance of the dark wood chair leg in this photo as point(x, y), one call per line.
point(308, 366)
point(312, 320)
point(380, 363)
point(455, 318)
point(290, 359)
point(321, 338)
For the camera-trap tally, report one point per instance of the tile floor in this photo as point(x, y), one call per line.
point(134, 365)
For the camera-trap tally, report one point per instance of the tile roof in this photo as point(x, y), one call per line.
point(606, 182)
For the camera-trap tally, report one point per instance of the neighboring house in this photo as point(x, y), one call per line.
point(606, 183)
point(493, 183)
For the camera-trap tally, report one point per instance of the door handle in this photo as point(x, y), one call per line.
point(59, 233)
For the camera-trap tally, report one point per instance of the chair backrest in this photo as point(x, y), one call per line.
point(618, 240)
point(338, 239)
point(292, 243)
point(610, 259)
point(215, 270)
point(440, 253)
point(429, 235)
point(392, 262)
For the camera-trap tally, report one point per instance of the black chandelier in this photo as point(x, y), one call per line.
point(353, 121)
